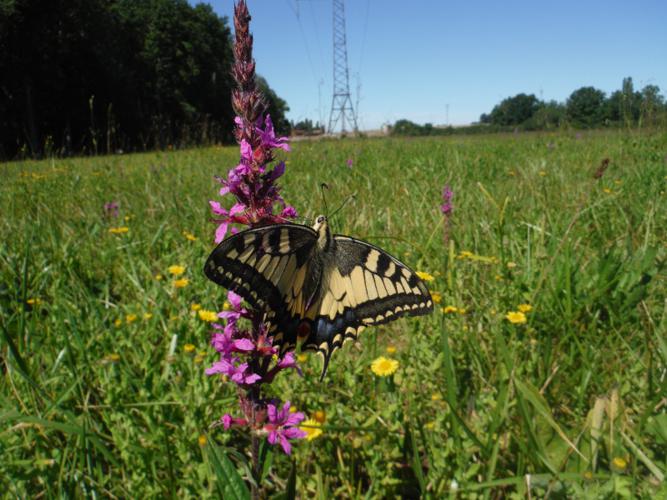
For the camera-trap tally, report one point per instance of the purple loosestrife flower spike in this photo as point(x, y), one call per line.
point(447, 195)
point(247, 356)
point(111, 209)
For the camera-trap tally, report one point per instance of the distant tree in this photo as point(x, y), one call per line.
point(585, 107)
point(652, 103)
point(549, 115)
point(514, 110)
point(102, 75)
point(630, 102)
point(406, 127)
point(307, 126)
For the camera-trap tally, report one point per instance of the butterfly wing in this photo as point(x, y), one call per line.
point(274, 268)
point(361, 285)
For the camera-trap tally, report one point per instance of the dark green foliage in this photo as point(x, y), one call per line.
point(406, 127)
point(93, 76)
point(585, 107)
point(307, 127)
point(514, 110)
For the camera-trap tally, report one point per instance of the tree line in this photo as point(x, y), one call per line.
point(586, 107)
point(103, 76)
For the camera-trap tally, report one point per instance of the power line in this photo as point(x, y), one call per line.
point(303, 37)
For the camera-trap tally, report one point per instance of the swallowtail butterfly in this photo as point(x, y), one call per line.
point(316, 287)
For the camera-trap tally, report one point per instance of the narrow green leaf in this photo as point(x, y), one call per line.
point(229, 481)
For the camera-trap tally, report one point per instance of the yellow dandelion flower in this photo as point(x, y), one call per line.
point(429, 426)
point(195, 307)
point(312, 428)
point(130, 318)
point(176, 270)
point(189, 348)
point(525, 308)
point(292, 409)
point(320, 416)
point(390, 349)
point(183, 282)
point(619, 463)
point(118, 322)
point(436, 396)
point(301, 358)
point(127, 218)
point(425, 276)
point(189, 236)
point(437, 297)
point(606, 190)
point(148, 315)
point(465, 254)
point(201, 440)
point(119, 230)
point(158, 277)
point(226, 306)
point(383, 367)
point(516, 317)
point(209, 316)
point(450, 309)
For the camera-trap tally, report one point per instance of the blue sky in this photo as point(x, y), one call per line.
point(443, 62)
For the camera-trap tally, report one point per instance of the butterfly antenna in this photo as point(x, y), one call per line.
point(342, 205)
point(324, 186)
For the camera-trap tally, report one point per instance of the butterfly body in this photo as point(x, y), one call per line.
point(316, 287)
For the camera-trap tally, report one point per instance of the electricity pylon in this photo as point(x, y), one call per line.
point(341, 104)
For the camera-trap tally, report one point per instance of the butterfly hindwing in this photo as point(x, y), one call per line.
point(362, 285)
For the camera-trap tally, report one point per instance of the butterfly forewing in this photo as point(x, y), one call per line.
point(267, 266)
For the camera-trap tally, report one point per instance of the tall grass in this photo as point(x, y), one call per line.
point(571, 403)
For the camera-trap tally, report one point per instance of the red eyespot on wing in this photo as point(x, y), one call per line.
point(303, 330)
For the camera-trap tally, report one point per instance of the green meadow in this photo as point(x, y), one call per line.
point(103, 350)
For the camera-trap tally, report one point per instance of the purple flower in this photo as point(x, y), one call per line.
point(268, 136)
point(228, 421)
point(350, 162)
point(287, 361)
point(111, 209)
point(289, 212)
point(227, 217)
point(241, 373)
point(225, 343)
point(282, 426)
point(447, 195)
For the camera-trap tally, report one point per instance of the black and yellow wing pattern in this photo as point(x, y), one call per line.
point(315, 287)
